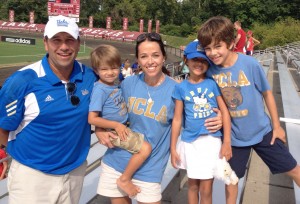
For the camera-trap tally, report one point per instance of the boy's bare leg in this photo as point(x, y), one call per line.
point(124, 182)
point(231, 193)
point(295, 174)
point(120, 200)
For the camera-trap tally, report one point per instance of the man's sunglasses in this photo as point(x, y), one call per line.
point(150, 36)
point(71, 88)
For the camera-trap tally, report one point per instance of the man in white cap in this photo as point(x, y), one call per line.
point(43, 121)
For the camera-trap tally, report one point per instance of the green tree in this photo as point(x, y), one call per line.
point(89, 8)
point(181, 18)
point(23, 7)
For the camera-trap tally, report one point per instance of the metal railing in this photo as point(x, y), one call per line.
point(5, 159)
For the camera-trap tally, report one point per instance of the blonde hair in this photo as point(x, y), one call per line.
point(105, 54)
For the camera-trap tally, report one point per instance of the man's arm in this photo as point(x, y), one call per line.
point(236, 40)
point(3, 136)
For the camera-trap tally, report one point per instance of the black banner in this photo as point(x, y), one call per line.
point(18, 40)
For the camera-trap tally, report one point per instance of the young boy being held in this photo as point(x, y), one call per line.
point(108, 110)
point(199, 150)
point(244, 85)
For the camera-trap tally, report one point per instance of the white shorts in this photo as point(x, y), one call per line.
point(199, 157)
point(150, 192)
point(30, 186)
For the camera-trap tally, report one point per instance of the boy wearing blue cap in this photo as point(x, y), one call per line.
point(199, 149)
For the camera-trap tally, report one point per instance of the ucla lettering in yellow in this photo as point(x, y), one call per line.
point(140, 106)
point(225, 79)
point(238, 113)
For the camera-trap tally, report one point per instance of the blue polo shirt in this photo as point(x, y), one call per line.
point(47, 132)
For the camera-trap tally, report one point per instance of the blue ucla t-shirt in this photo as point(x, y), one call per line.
point(153, 118)
point(242, 86)
point(108, 100)
point(199, 100)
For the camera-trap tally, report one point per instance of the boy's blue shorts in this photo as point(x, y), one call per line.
point(277, 157)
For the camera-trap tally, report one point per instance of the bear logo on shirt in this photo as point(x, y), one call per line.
point(232, 96)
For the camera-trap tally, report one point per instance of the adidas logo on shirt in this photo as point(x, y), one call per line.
point(84, 92)
point(48, 98)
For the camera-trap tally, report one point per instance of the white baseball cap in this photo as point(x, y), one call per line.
point(59, 24)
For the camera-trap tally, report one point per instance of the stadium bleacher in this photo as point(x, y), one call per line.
point(290, 101)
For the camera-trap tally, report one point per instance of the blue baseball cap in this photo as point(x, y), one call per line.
point(195, 50)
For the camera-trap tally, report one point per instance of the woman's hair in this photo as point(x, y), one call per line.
point(216, 29)
point(153, 37)
point(105, 54)
point(165, 71)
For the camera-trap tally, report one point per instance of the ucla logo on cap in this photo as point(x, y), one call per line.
point(200, 48)
point(62, 23)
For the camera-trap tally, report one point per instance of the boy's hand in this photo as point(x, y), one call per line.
point(122, 131)
point(278, 133)
point(214, 124)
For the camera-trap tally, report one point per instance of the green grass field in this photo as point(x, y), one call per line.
point(12, 53)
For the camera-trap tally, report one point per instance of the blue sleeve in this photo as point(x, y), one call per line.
point(177, 95)
point(12, 96)
point(98, 98)
point(216, 88)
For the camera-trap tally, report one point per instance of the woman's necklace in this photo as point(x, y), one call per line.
point(150, 100)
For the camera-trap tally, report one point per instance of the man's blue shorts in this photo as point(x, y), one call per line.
point(277, 157)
